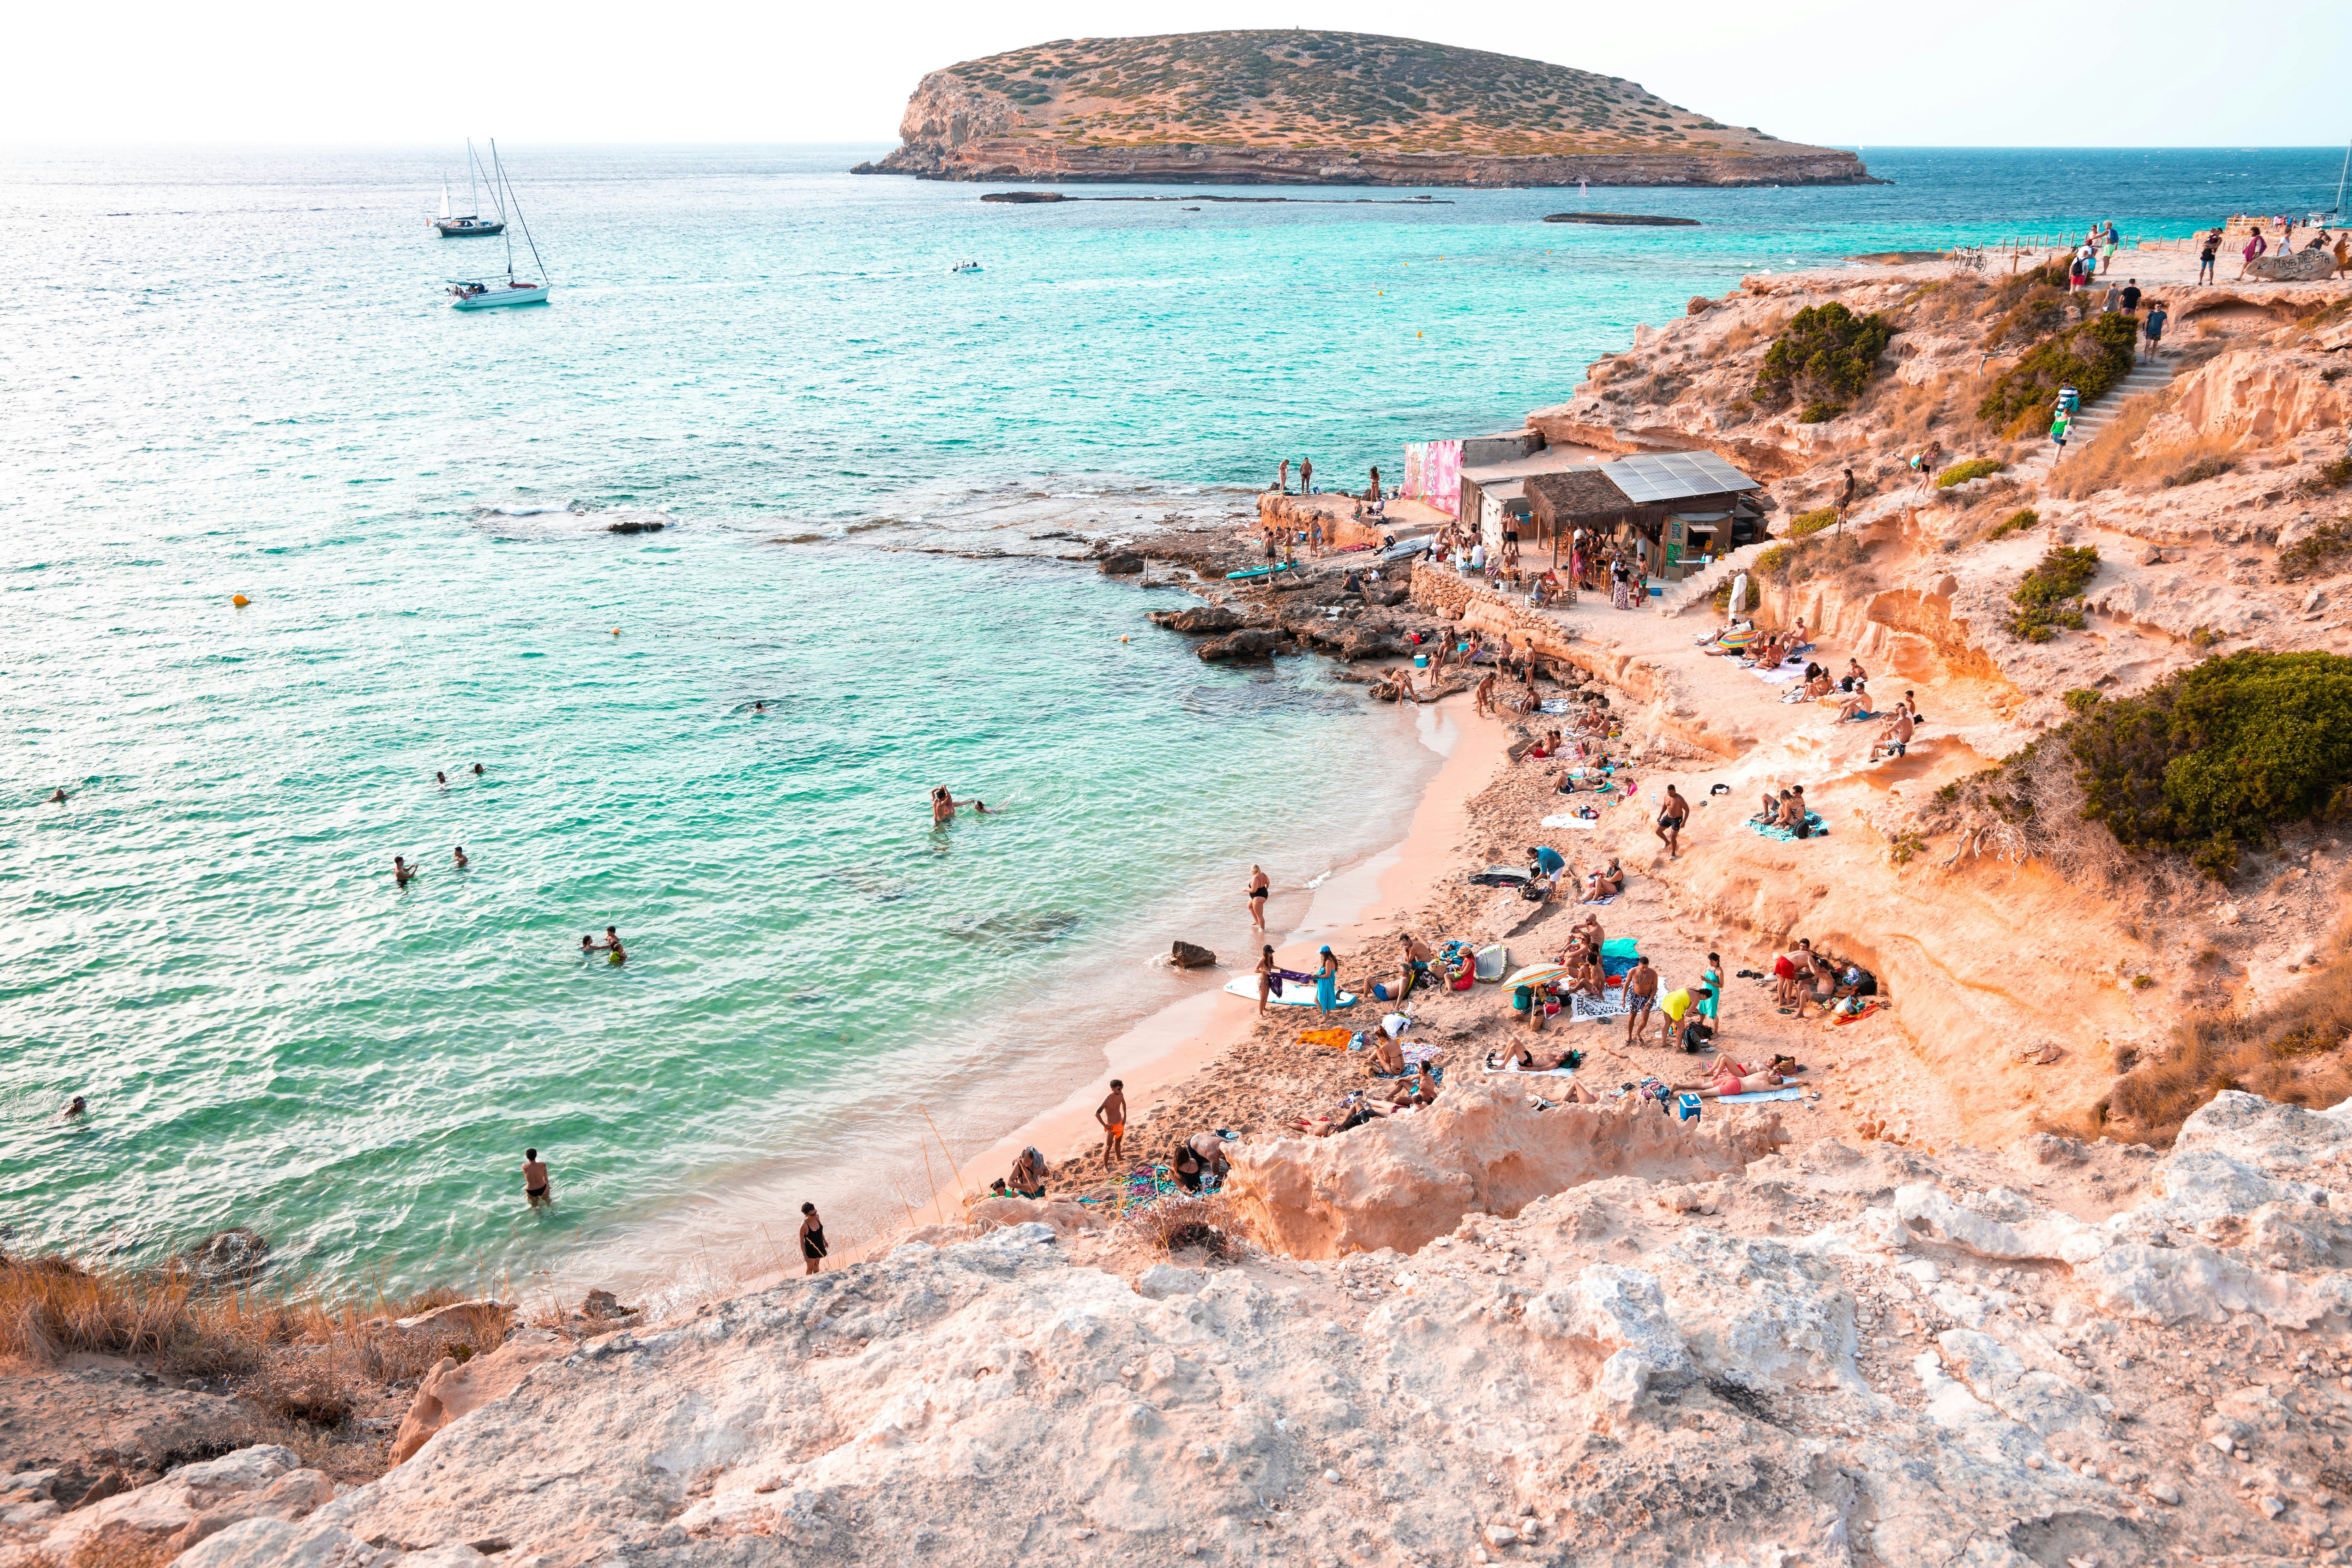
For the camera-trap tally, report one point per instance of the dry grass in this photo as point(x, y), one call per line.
point(2106, 461)
point(2290, 1051)
point(1211, 1221)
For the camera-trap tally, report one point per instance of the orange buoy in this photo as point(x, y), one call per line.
point(239, 600)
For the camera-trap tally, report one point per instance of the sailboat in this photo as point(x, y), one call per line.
point(482, 294)
point(467, 225)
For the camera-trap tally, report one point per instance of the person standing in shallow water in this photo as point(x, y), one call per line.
point(812, 1236)
point(534, 1178)
point(1259, 888)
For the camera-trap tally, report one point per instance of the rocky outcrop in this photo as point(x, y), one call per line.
point(1483, 1149)
point(166, 1517)
point(1199, 619)
point(2248, 398)
point(1190, 955)
point(1831, 1356)
point(1251, 642)
point(453, 1387)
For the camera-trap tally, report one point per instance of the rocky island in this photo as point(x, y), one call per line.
point(1315, 108)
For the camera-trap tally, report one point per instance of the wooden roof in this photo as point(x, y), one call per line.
point(1563, 501)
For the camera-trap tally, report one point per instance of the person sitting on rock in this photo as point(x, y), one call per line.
point(1028, 1177)
point(1856, 704)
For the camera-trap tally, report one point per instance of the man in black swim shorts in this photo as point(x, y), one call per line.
point(534, 1177)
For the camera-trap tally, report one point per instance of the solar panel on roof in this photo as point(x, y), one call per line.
point(1672, 476)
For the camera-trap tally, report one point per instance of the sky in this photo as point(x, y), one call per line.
point(1836, 73)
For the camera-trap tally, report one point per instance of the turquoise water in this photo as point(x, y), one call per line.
point(233, 372)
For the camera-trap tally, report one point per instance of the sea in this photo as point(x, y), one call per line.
point(234, 372)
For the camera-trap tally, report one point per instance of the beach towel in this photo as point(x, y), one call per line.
point(1601, 903)
point(1335, 1039)
point(1609, 1004)
point(1568, 819)
point(1419, 1051)
point(1557, 705)
point(1624, 947)
point(1535, 1072)
point(1781, 677)
point(1789, 1092)
point(1837, 1019)
point(1814, 827)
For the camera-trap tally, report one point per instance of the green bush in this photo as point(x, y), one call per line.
point(1962, 473)
point(1721, 597)
point(1773, 562)
point(2042, 596)
point(2017, 521)
point(2332, 476)
point(1826, 354)
point(2081, 700)
point(2216, 757)
point(1812, 522)
point(2092, 357)
point(1818, 413)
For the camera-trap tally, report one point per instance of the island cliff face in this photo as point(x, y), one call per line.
point(1321, 108)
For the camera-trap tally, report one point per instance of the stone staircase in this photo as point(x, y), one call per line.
point(1694, 589)
point(2148, 375)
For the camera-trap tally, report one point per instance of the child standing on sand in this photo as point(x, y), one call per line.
point(1112, 1114)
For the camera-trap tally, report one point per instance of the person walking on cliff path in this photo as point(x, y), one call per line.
point(1846, 500)
point(2153, 328)
point(2205, 254)
point(812, 1247)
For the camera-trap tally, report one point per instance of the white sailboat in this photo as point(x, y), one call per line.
point(468, 226)
point(487, 294)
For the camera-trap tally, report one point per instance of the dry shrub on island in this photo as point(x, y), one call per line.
point(2319, 554)
point(2291, 1050)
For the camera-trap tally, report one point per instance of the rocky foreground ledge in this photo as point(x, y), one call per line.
point(2064, 1354)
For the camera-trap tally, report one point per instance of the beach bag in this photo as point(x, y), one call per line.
point(1695, 1034)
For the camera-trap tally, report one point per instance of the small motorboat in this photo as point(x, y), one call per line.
point(965, 267)
point(472, 294)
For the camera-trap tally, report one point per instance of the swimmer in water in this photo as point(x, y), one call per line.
point(78, 1107)
point(534, 1178)
point(401, 872)
point(616, 953)
point(587, 945)
point(459, 855)
point(59, 798)
point(759, 707)
point(477, 770)
point(442, 779)
point(943, 804)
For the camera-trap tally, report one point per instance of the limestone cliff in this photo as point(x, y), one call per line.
point(1321, 108)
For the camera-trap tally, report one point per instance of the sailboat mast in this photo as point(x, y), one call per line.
point(473, 193)
point(499, 175)
point(2339, 208)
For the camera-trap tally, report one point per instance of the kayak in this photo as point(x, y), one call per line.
point(1260, 571)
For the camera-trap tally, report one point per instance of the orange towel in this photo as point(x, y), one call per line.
point(1335, 1039)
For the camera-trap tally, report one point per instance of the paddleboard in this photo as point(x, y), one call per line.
point(1260, 571)
point(1295, 992)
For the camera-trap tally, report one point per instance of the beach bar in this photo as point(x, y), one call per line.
point(1684, 506)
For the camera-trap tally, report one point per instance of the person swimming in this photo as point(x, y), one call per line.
point(442, 779)
point(78, 1106)
point(401, 872)
point(459, 855)
point(59, 798)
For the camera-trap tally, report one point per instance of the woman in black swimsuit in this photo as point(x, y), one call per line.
point(812, 1236)
point(1258, 888)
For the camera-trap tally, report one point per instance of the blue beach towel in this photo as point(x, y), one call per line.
point(1814, 829)
point(1792, 1092)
